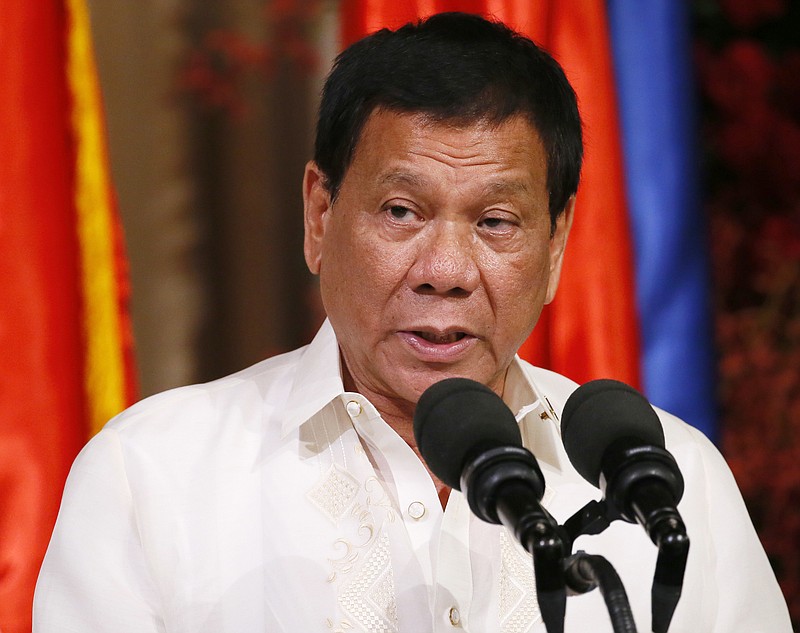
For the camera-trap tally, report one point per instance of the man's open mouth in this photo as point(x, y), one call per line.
point(440, 339)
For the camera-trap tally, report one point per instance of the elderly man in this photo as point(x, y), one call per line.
point(290, 496)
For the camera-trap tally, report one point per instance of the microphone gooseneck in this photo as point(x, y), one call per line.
point(585, 572)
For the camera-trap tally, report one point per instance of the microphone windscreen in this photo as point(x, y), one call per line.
point(454, 419)
point(599, 413)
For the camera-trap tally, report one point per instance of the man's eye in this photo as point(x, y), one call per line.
point(401, 213)
point(492, 223)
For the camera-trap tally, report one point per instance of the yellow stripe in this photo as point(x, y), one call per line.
point(104, 361)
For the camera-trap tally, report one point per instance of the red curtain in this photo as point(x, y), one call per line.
point(47, 321)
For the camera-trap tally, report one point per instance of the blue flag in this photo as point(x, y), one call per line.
point(651, 48)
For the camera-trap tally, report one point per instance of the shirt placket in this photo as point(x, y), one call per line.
point(412, 491)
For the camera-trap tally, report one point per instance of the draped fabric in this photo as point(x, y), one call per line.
point(64, 332)
point(654, 81)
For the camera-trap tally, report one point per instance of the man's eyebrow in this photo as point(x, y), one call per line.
point(500, 187)
point(507, 187)
point(402, 178)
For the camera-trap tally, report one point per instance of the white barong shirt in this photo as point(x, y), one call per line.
point(274, 501)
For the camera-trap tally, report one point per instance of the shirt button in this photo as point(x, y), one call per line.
point(416, 510)
point(353, 408)
point(455, 617)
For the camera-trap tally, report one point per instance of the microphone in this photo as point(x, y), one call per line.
point(614, 439)
point(470, 440)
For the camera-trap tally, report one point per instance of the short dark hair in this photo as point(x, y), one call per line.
point(452, 67)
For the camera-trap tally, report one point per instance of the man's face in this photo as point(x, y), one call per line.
point(436, 257)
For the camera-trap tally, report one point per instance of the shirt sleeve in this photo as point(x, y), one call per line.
point(749, 599)
point(94, 576)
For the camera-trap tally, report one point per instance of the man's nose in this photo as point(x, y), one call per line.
point(446, 262)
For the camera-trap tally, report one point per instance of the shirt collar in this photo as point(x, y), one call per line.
point(538, 421)
point(318, 381)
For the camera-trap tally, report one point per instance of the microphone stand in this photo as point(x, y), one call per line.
point(519, 510)
point(669, 534)
point(665, 528)
point(584, 572)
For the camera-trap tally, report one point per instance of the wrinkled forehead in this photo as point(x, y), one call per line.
point(377, 119)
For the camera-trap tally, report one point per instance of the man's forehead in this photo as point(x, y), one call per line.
point(413, 180)
point(467, 134)
point(382, 115)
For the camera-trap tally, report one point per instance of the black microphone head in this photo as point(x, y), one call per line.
point(455, 418)
point(598, 414)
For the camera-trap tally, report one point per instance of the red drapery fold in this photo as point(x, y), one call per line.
point(42, 408)
point(47, 320)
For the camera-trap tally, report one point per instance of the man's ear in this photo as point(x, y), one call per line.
point(316, 208)
point(557, 245)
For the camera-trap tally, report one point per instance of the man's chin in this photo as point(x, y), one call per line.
point(424, 382)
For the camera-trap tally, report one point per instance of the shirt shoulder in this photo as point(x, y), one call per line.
point(554, 386)
point(558, 388)
point(247, 399)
